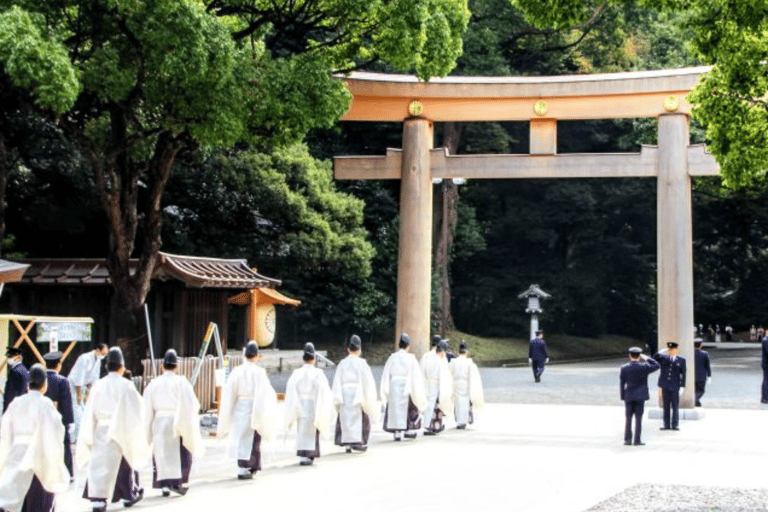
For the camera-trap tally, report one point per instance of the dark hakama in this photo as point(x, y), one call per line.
point(186, 468)
point(311, 454)
point(253, 463)
point(436, 423)
point(37, 498)
point(365, 436)
point(126, 486)
point(414, 418)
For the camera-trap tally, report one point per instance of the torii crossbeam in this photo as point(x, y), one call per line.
point(542, 101)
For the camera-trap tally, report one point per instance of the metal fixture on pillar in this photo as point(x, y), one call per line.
point(534, 294)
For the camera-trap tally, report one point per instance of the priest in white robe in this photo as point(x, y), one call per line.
point(32, 465)
point(354, 394)
point(309, 405)
point(402, 390)
point(467, 387)
point(438, 384)
point(112, 445)
point(172, 423)
point(248, 412)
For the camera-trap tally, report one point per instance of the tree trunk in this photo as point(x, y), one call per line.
point(448, 204)
point(3, 185)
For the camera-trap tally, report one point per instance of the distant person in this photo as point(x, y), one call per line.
point(467, 388)
point(537, 355)
point(438, 384)
point(703, 370)
point(248, 412)
point(718, 337)
point(700, 331)
point(402, 391)
point(172, 424)
point(31, 458)
point(671, 381)
point(354, 394)
point(633, 386)
point(652, 342)
point(752, 333)
point(309, 405)
point(710, 334)
point(728, 333)
point(61, 395)
point(16, 379)
point(760, 333)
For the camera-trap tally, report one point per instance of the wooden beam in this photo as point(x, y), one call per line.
point(573, 165)
point(543, 140)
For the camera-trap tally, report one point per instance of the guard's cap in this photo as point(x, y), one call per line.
point(442, 346)
point(115, 356)
point(354, 343)
point(171, 357)
point(309, 350)
point(53, 356)
point(13, 351)
point(37, 375)
point(405, 339)
point(463, 347)
point(671, 344)
point(435, 340)
point(539, 332)
point(251, 349)
point(697, 342)
point(635, 351)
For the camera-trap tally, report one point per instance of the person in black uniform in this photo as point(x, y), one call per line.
point(17, 378)
point(634, 391)
point(671, 381)
point(764, 394)
point(537, 355)
point(61, 395)
point(703, 370)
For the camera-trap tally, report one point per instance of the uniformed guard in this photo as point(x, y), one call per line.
point(634, 391)
point(537, 355)
point(17, 379)
point(703, 370)
point(671, 382)
point(61, 395)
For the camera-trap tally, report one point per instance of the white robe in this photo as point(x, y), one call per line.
point(31, 444)
point(248, 403)
point(467, 388)
point(171, 411)
point(86, 370)
point(401, 379)
point(354, 392)
point(437, 384)
point(309, 404)
point(112, 428)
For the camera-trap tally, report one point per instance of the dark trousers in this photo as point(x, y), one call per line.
point(68, 451)
point(538, 367)
point(254, 462)
point(126, 487)
point(671, 400)
point(365, 434)
point(764, 394)
point(633, 408)
point(186, 469)
point(700, 387)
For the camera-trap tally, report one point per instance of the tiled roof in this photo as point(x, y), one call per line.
point(11, 271)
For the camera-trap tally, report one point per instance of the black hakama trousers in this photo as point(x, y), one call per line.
point(365, 436)
point(413, 421)
point(126, 486)
point(436, 423)
point(254, 462)
point(186, 468)
point(311, 454)
point(68, 451)
point(37, 498)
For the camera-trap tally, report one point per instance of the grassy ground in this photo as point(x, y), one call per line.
point(499, 351)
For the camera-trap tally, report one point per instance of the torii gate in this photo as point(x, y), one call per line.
point(542, 101)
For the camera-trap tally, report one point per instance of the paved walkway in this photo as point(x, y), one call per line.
point(544, 457)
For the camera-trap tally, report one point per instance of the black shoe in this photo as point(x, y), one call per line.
point(166, 492)
point(138, 498)
point(360, 448)
point(245, 476)
point(348, 449)
point(764, 401)
point(99, 506)
point(410, 436)
point(639, 444)
point(461, 427)
point(429, 433)
point(665, 428)
point(537, 379)
point(675, 428)
point(181, 490)
point(628, 443)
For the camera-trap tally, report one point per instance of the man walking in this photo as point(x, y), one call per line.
point(17, 378)
point(438, 384)
point(671, 382)
point(537, 355)
point(402, 390)
point(61, 395)
point(633, 380)
point(703, 370)
point(467, 387)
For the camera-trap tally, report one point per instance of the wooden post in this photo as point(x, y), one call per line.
point(674, 244)
point(414, 269)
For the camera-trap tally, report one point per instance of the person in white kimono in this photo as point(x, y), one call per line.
point(309, 404)
point(32, 465)
point(247, 412)
point(438, 384)
point(467, 387)
point(172, 421)
point(112, 444)
point(354, 394)
point(402, 390)
point(86, 371)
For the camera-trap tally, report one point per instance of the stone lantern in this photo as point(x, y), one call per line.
point(534, 294)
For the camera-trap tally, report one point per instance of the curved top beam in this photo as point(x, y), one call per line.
point(383, 97)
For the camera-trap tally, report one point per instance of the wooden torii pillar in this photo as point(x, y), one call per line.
point(542, 101)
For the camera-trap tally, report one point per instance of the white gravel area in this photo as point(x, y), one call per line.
point(684, 498)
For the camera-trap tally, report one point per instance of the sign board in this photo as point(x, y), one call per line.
point(66, 331)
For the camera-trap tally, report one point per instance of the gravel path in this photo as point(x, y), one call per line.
point(681, 498)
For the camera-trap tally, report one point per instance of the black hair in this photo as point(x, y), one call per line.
point(52, 364)
point(403, 344)
point(99, 345)
point(308, 357)
point(36, 386)
point(167, 366)
point(113, 366)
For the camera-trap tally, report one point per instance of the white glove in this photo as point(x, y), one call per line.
point(547, 360)
point(530, 360)
point(709, 379)
point(682, 390)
